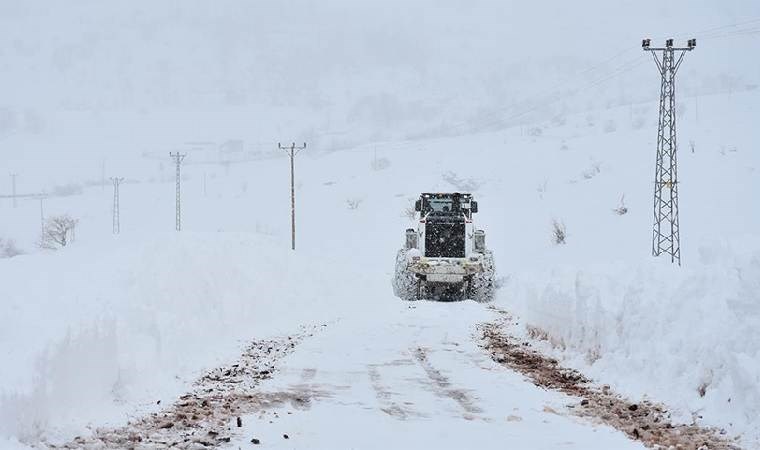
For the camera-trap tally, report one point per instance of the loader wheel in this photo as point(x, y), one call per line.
point(405, 283)
point(482, 285)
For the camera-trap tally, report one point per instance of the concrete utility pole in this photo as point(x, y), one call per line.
point(13, 188)
point(667, 232)
point(42, 217)
point(292, 151)
point(178, 158)
point(116, 225)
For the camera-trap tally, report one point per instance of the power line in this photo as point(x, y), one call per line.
point(617, 71)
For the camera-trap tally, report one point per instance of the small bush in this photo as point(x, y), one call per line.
point(463, 185)
point(535, 131)
point(592, 171)
point(541, 189)
point(559, 232)
point(621, 209)
point(353, 203)
point(8, 248)
point(380, 163)
point(58, 232)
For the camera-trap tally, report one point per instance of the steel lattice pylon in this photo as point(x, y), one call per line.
point(666, 236)
point(178, 158)
point(116, 222)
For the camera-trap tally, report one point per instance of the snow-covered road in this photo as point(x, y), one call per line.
point(412, 375)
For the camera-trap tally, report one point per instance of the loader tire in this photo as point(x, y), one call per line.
point(482, 286)
point(406, 286)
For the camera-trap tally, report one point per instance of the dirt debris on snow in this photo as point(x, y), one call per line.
point(643, 421)
point(206, 416)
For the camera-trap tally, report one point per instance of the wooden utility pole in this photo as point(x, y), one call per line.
point(13, 187)
point(292, 151)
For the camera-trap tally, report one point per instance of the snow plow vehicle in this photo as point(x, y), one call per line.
point(446, 257)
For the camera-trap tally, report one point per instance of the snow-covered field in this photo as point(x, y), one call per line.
point(97, 333)
point(106, 327)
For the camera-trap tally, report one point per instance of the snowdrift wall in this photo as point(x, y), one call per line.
point(686, 336)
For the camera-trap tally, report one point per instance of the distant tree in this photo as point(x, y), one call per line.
point(559, 232)
point(621, 209)
point(58, 232)
point(353, 203)
point(8, 248)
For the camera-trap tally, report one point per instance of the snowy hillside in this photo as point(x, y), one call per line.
point(113, 328)
point(142, 313)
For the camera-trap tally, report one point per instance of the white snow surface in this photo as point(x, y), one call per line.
point(97, 333)
point(686, 336)
point(103, 329)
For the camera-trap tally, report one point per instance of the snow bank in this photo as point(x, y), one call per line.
point(687, 337)
point(104, 329)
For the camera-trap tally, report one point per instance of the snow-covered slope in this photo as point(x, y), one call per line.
point(393, 99)
point(115, 322)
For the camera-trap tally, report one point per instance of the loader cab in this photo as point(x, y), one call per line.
point(447, 204)
point(444, 221)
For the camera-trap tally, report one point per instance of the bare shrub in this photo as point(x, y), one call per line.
point(463, 185)
point(353, 203)
point(559, 232)
point(592, 171)
point(621, 209)
point(8, 248)
point(380, 163)
point(58, 232)
point(535, 131)
point(541, 189)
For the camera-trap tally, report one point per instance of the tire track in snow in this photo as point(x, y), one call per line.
point(442, 385)
point(384, 394)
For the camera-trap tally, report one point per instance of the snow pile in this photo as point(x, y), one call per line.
point(687, 337)
point(133, 322)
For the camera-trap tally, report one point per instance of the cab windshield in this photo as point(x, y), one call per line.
point(440, 204)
